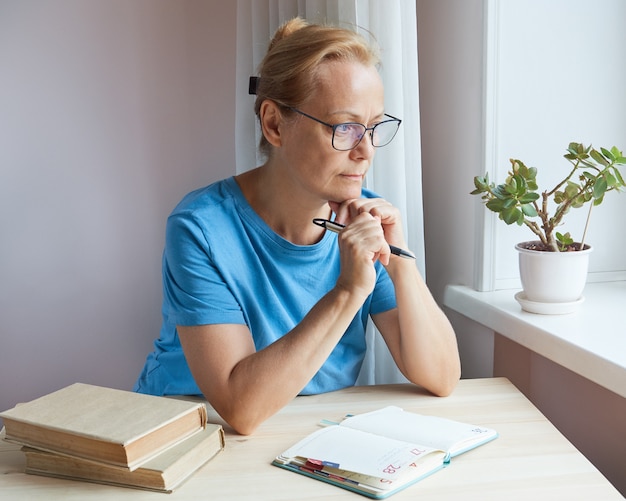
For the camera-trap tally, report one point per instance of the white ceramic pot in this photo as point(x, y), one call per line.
point(553, 277)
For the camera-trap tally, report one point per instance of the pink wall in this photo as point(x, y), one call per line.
point(111, 111)
point(590, 416)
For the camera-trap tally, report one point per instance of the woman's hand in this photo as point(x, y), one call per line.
point(383, 217)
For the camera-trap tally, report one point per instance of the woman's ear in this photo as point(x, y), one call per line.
point(271, 120)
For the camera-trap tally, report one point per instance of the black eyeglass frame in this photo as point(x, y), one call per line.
point(334, 128)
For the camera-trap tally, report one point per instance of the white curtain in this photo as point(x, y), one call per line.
point(396, 171)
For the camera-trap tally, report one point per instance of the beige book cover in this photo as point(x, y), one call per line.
point(103, 424)
point(165, 472)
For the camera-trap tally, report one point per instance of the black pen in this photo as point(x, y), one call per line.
point(337, 227)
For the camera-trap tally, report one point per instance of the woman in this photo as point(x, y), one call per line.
point(261, 305)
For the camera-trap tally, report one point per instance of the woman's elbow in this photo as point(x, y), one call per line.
point(446, 389)
point(447, 383)
point(244, 428)
point(441, 384)
point(240, 421)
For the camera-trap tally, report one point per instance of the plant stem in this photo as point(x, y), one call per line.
point(576, 165)
point(582, 242)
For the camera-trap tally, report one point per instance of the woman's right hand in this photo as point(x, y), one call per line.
point(361, 244)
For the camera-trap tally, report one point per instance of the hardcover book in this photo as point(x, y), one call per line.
point(112, 426)
point(163, 473)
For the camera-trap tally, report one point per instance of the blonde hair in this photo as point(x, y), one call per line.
point(288, 72)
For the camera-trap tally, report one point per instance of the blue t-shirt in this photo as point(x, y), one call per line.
point(222, 264)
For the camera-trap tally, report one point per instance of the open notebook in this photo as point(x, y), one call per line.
point(381, 452)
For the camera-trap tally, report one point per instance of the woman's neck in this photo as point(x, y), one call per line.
point(285, 211)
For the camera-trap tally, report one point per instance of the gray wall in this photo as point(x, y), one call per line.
point(451, 114)
point(110, 111)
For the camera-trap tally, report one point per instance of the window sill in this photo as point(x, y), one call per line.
point(590, 342)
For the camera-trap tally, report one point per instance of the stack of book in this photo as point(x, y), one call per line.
point(104, 435)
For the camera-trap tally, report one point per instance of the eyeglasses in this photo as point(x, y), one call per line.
point(348, 135)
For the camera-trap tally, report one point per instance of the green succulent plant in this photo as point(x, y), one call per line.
point(518, 200)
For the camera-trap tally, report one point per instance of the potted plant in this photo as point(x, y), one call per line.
point(549, 270)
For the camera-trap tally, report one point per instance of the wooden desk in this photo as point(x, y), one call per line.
point(530, 459)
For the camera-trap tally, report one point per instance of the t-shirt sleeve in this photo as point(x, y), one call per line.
point(194, 291)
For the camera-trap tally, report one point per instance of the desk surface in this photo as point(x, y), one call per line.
point(530, 459)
